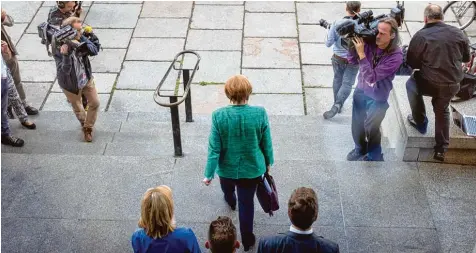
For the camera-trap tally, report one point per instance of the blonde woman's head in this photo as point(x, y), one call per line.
point(157, 212)
point(238, 89)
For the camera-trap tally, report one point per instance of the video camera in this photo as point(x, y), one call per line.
point(364, 26)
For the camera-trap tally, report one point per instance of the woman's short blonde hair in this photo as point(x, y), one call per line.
point(70, 21)
point(157, 212)
point(238, 88)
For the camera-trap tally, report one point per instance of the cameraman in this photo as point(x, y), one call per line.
point(438, 51)
point(75, 76)
point(344, 72)
point(62, 11)
point(378, 64)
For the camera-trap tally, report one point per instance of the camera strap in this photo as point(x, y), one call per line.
point(376, 58)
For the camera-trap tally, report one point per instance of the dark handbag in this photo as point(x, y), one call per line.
point(267, 194)
point(467, 87)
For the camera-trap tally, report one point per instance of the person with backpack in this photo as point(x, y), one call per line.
point(438, 50)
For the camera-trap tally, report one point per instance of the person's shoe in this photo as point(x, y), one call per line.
point(421, 128)
point(233, 207)
point(355, 155)
point(88, 134)
point(332, 112)
point(30, 110)
point(440, 156)
point(10, 114)
point(29, 125)
point(249, 244)
point(367, 158)
point(12, 141)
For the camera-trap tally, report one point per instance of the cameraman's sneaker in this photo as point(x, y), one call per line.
point(12, 141)
point(421, 128)
point(355, 155)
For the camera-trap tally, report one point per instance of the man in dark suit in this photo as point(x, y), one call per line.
point(302, 211)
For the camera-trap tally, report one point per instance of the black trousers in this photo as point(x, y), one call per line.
point(441, 95)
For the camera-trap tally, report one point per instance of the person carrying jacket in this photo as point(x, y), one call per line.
point(75, 76)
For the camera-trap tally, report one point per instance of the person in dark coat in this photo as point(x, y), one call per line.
point(302, 211)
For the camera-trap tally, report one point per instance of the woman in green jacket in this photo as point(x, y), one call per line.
point(240, 152)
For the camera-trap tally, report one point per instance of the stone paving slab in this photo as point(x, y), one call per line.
point(132, 75)
point(319, 100)
point(269, 6)
point(40, 17)
point(405, 38)
point(36, 93)
point(16, 32)
point(270, 25)
point(219, 2)
point(108, 60)
point(270, 53)
point(104, 83)
point(31, 49)
point(154, 49)
point(134, 101)
point(208, 98)
point(279, 104)
point(53, 3)
point(58, 102)
point(375, 240)
point(179, 9)
point(113, 15)
point(161, 28)
point(114, 38)
point(274, 80)
point(214, 40)
point(318, 76)
point(378, 4)
point(312, 33)
point(37, 71)
point(215, 67)
point(217, 17)
point(21, 11)
point(372, 195)
point(313, 53)
point(311, 13)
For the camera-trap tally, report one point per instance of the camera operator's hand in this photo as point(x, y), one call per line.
point(64, 49)
point(4, 14)
point(359, 47)
point(4, 47)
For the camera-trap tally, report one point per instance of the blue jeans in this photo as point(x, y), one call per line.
point(367, 116)
point(5, 127)
point(246, 189)
point(344, 78)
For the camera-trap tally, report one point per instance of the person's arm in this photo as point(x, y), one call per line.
point(266, 144)
point(214, 148)
point(384, 69)
point(135, 241)
point(331, 36)
point(93, 50)
point(415, 52)
point(193, 243)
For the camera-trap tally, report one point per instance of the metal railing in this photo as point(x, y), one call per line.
point(173, 99)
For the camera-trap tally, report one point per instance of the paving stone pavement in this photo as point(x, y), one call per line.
point(280, 47)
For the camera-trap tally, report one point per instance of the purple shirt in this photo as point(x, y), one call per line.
point(376, 82)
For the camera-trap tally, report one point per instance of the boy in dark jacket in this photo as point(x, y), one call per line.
point(75, 76)
point(302, 211)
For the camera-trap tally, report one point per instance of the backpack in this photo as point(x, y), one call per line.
point(467, 87)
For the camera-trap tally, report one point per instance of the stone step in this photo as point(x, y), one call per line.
point(61, 196)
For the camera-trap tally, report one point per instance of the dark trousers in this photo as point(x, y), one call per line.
point(344, 78)
point(246, 189)
point(441, 95)
point(5, 127)
point(367, 116)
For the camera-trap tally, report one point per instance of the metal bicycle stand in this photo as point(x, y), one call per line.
point(175, 102)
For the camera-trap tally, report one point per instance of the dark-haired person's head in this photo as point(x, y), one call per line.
point(433, 13)
point(352, 7)
point(222, 236)
point(303, 208)
point(66, 6)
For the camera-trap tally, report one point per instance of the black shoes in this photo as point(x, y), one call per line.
point(355, 155)
point(421, 128)
point(31, 125)
point(251, 243)
point(336, 108)
point(30, 110)
point(440, 156)
point(12, 141)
